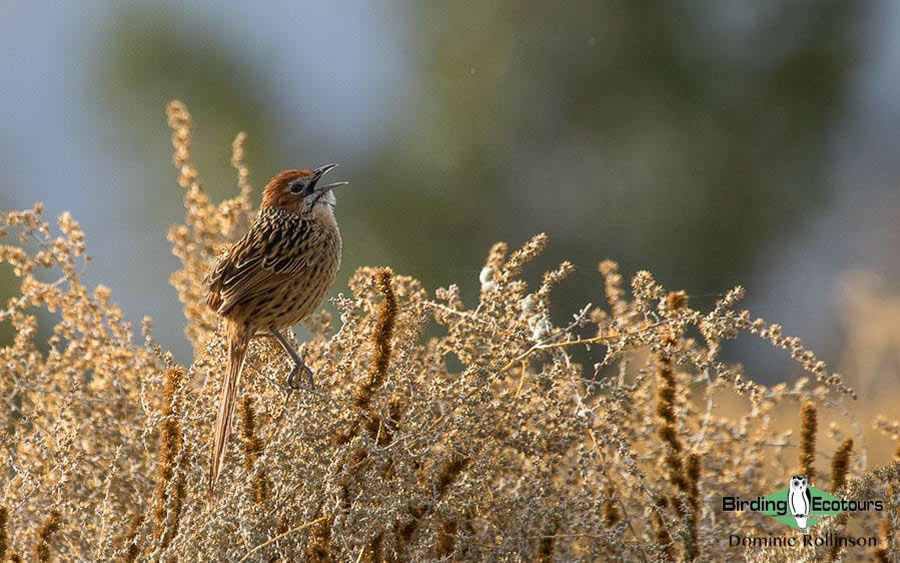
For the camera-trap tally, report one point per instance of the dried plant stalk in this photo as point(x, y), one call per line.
point(808, 440)
point(132, 542)
point(169, 492)
point(381, 338)
point(840, 464)
point(253, 448)
point(4, 536)
point(44, 536)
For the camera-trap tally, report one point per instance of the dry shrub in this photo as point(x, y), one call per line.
point(521, 455)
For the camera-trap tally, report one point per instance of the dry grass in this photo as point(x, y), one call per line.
point(521, 455)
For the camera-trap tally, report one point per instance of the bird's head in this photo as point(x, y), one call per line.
point(298, 190)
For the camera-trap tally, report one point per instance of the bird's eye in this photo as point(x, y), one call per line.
point(296, 188)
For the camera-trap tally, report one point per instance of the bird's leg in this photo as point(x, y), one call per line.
point(299, 364)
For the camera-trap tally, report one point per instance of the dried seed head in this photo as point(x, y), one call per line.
point(840, 463)
point(808, 440)
point(45, 535)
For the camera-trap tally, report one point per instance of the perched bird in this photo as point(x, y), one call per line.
point(273, 278)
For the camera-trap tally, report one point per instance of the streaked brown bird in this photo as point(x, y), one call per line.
point(273, 278)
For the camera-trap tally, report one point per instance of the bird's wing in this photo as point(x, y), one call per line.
point(808, 500)
point(267, 255)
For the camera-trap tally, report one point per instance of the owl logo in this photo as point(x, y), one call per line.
point(799, 500)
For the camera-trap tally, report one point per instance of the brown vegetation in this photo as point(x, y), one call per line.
point(522, 454)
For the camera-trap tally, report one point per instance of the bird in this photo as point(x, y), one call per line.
point(274, 277)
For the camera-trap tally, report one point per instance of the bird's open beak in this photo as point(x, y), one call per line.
point(321, 171)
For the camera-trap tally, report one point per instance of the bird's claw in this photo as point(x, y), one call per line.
point(293, 379)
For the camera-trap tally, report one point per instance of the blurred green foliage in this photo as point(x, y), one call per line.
point(683, 136)
point(653, 133)
point(152, 56)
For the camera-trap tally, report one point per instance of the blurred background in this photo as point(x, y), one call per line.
point(711, 143)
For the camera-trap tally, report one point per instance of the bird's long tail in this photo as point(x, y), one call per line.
point(238, 338)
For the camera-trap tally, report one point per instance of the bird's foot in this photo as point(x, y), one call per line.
point(299, 370)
